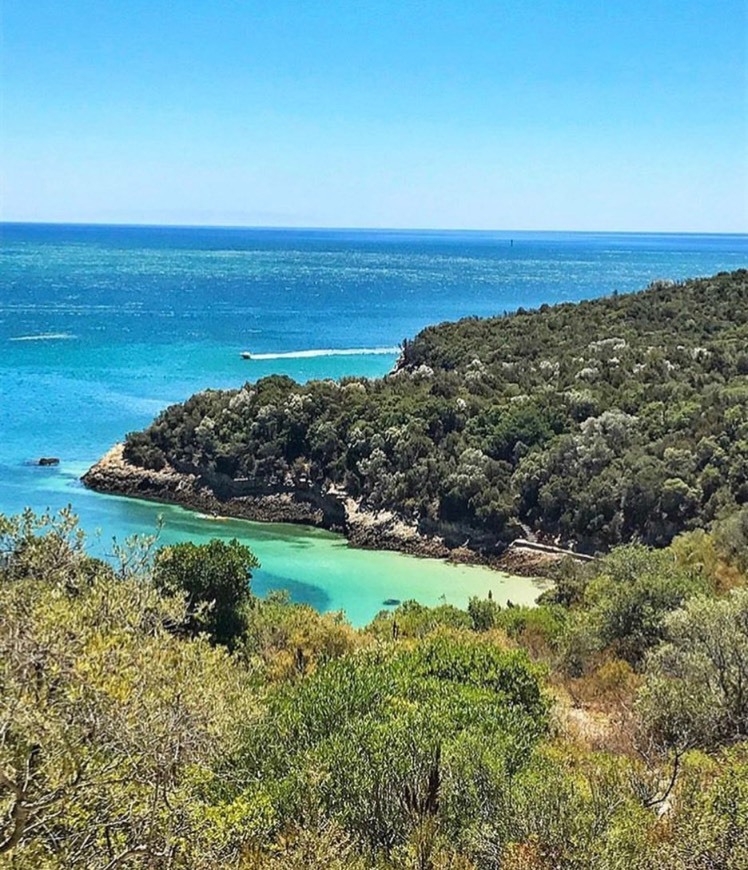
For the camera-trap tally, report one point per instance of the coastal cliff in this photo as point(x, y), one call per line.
point(334, 510)
point(113, 474)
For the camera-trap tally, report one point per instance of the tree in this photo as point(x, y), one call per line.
point(731, 538)
point(626, 605)
point(215, 577)
point(483, 613)
point(696, 692)
point(112, 728)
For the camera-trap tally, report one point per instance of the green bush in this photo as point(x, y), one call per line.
point(215, 578)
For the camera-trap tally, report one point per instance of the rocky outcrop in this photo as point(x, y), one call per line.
point(210, 494)
point(333, 509)
point(527, 562)
point(383, 530)
point(47, 460)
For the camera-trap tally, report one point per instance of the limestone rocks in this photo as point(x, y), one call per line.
point(334, 510)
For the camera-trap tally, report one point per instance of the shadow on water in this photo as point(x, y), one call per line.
point(302, 593)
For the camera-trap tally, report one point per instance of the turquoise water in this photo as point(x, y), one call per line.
point(100, 327)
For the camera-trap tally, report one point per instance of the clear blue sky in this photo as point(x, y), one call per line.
point(521, 114)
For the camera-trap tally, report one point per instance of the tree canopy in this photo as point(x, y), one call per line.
point(215, 577)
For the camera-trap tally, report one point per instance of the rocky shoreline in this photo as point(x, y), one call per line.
point(334, 510)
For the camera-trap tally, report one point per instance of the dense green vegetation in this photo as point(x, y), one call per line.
point(215, 579)
point(155, 713)
point(598, 423)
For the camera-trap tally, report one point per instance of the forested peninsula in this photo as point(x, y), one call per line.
point(589, 425)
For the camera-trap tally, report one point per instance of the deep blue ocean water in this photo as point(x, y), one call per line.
point(101, 327)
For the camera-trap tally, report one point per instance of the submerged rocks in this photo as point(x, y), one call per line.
point(47, 460)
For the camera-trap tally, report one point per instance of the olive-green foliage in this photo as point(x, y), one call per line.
point(427, 741)
point(370, 738)
point(484, 613)
point(47, 546)
point(215, 577)
point(626, 604)
point(710, 827)
point(617, 419)
point(570, 579)
point(600, 811)
point(697, 681)
point(286, 640)
point(547, 622)
point(411, 619)
point(111, 726)
point(731, 537)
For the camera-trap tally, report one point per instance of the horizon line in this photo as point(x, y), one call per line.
point(332, 228)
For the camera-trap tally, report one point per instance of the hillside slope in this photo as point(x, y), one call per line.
point(591, 424)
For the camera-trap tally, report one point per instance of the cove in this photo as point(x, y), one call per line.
point(315, 566)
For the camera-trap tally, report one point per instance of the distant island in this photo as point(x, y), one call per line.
point(580, 425)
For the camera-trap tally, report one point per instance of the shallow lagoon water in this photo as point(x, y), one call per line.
point(101, 327)
point(315, 566)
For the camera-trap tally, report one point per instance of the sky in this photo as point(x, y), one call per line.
point(620, 115)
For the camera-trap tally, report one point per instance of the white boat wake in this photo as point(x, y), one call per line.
point(310, 354)
point(44, 336)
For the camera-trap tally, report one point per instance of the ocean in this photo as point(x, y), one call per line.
point(103, 326)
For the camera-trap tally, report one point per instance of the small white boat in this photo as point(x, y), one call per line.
point(245, 354)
